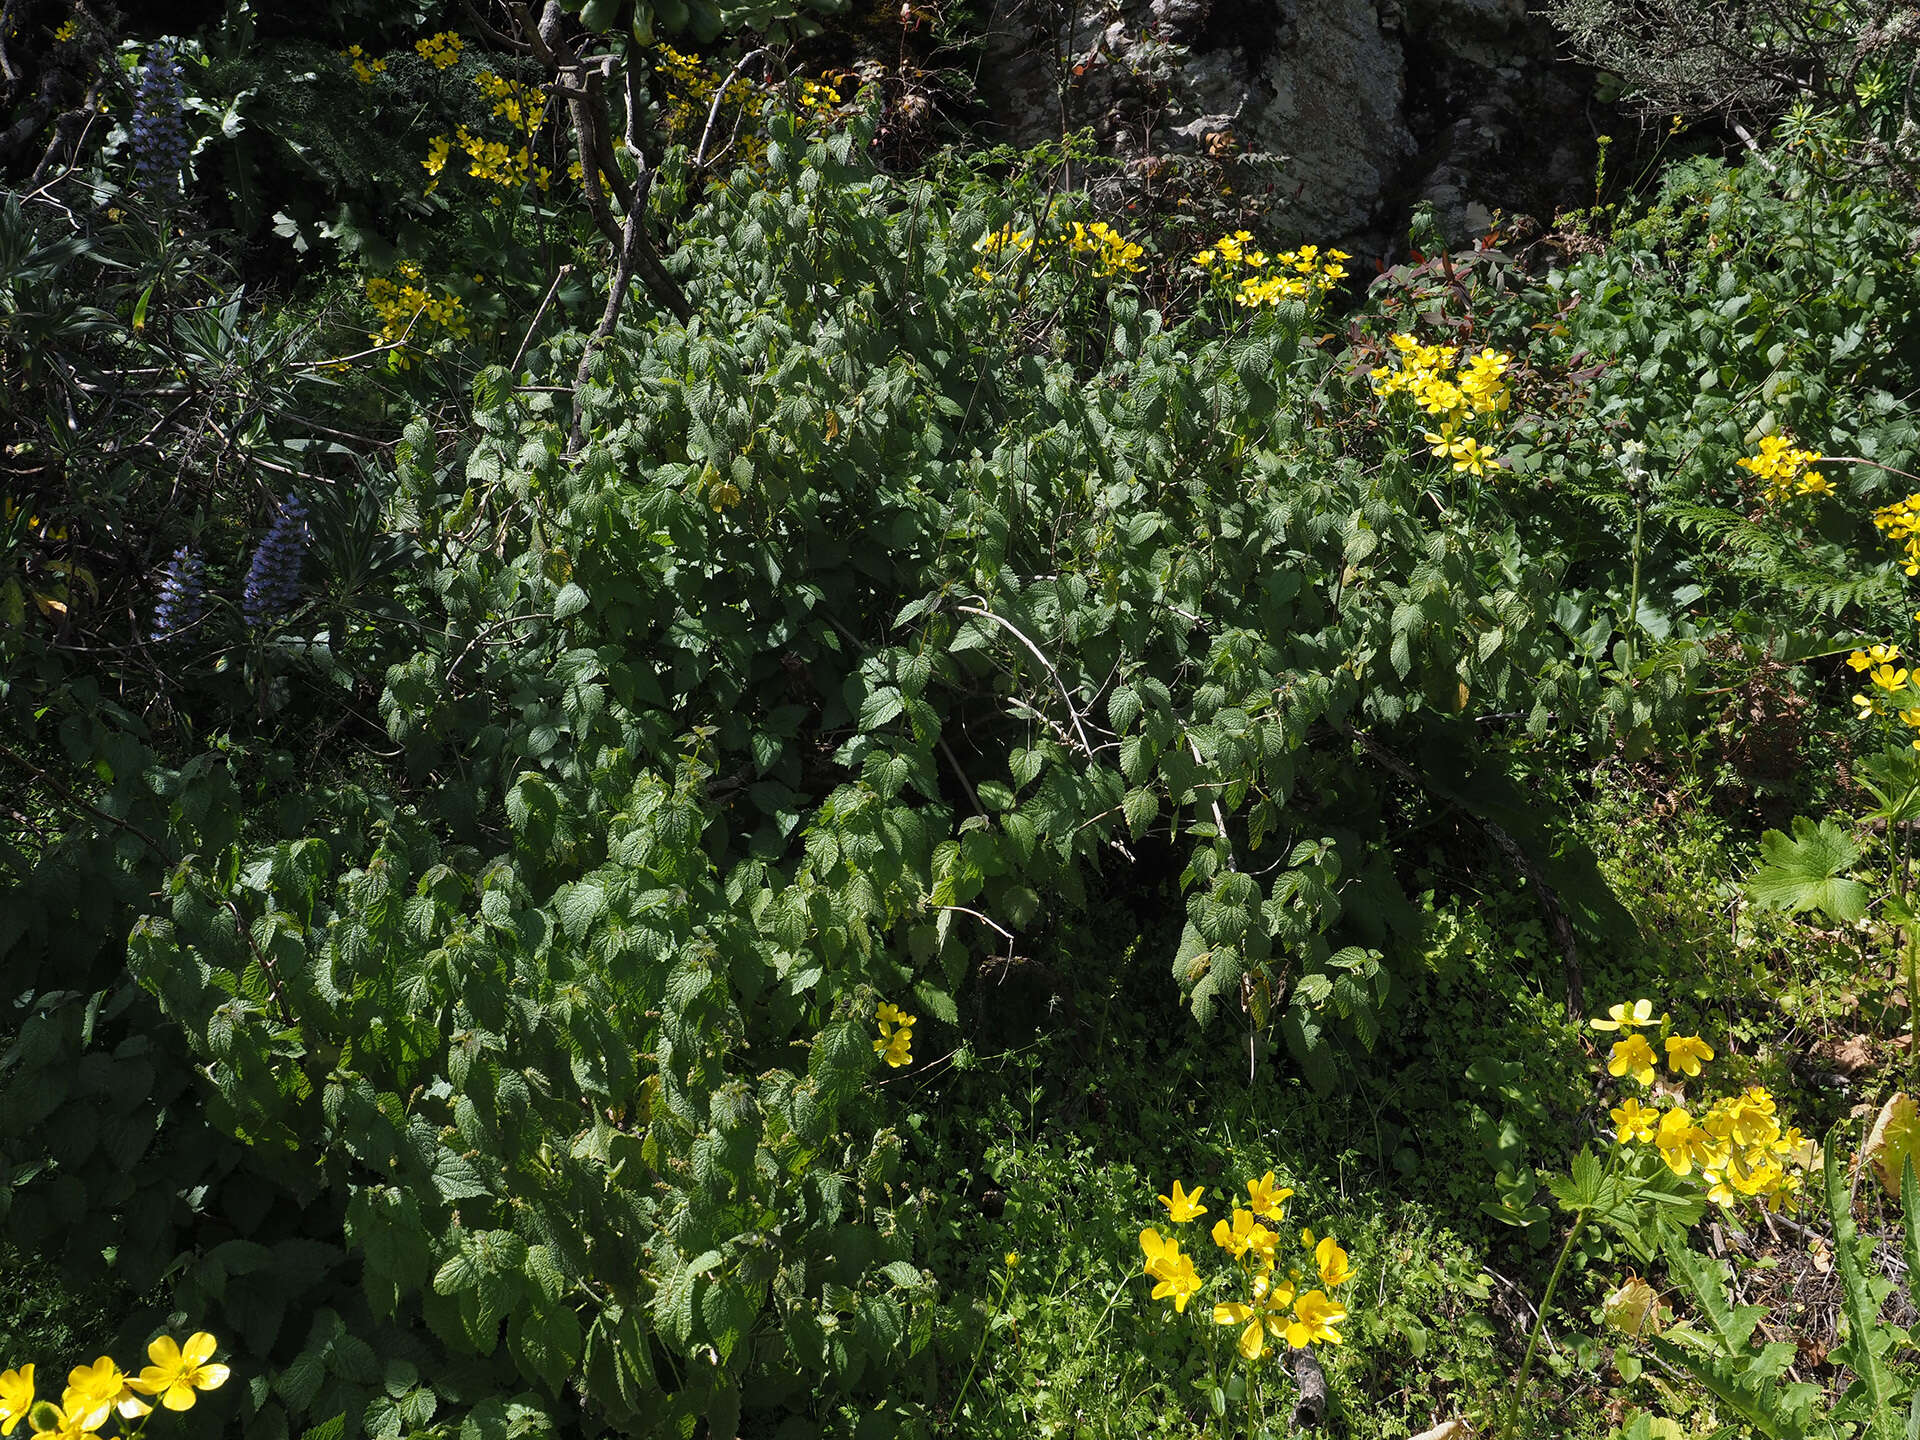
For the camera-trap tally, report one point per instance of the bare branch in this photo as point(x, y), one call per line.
point(1040, 655)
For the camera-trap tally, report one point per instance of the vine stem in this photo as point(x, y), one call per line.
point(1870, 464)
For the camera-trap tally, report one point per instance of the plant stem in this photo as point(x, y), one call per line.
point(1539, 1324)
point(1633, 593)
point(1006, 1280)
point(1546, 1299)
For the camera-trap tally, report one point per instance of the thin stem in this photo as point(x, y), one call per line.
point(1539, 1324)
point(1006, 1282)
point(1633, 595)
point(1870, 464)
point(1066, 696)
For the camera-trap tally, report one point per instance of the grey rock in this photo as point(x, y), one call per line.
point(1345, 114)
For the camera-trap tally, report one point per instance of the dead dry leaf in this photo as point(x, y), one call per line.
point(1891, 1141)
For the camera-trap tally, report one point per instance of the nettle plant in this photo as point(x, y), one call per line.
point(875, 615)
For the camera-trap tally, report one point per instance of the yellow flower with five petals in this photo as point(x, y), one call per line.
point(1184, 1205)
point(1686, 1052)
point(179, 1370)
point(1314, 1316)
point(1267, 1313)
point(16, 1397)
point(1632, 1055)
point(1636, 1015)
point(1266, 1198)
point(1331, 1261)
point(1634, 1121)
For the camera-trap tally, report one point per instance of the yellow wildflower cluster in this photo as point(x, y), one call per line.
point(691, 85)
point(68, 31)
point(1896, 690)
point(1006, 241)
point(817, 97)
point(1112, 252)
point(1784, 469)
point(523, 106)
point(95, 1393)
point(1736, 1146)
point(500, 163)
point(363, 65)
point(406, 309)
point(1901, 521)
point(510, 166)
point(1257, 278)
point(1453, 399)
point(1109, 251)
point(895, 1044)
point(1274, 1305)
point(441, 51)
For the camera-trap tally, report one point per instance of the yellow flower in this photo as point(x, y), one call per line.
point(1260, 1242)
point(1718, 1191)
point(1632, 1308)
point(1267, 1199)
point(1686, 1052)
point(1888, 677)
point(440, 51)
point(1626, 1017)
point(1471, 456)
point(60, 1422)
point(1634, 1121)
point(1314, 1316)
point(1331, 1261)
point(1243, 1235)
point(1013, 1259)
point(1635, 1055)
point(1879, 656)
point(896, 1026)
point(179, 1370)
point(95, 1391)
point(1266, 1313)
point(1178, 1279)
point(1675, 1139)
point(1184, 1205)
point(16, 1397)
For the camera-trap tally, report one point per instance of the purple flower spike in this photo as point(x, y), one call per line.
point(159, 136)
point(273, 580)
point(183, 596)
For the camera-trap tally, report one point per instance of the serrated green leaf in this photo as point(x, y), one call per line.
point(1808, 872)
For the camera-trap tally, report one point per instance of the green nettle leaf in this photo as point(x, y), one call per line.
point(1808, 872)
point(546, 1340)
point(1141, 806)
